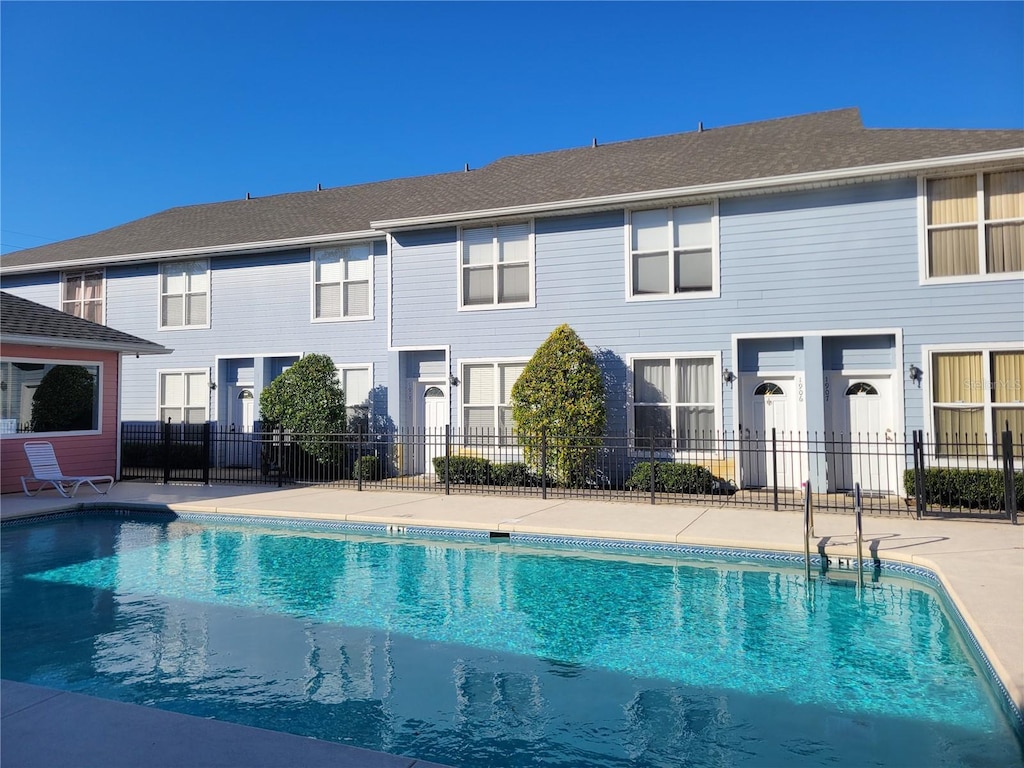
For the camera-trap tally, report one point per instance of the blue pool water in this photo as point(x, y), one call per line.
point(495, 653)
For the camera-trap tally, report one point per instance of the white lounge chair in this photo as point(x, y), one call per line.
point(46, 471)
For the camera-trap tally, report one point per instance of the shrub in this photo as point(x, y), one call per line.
point(470, 470)
point(671, 478)
point(308, 401)
point(969, 488)
point(367, 468)
point(512, 473)
point(139, 455)
point(64, 400)
point(561, 393)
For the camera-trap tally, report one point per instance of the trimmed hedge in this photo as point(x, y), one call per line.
point(366, 468)
point(151, 455)
point(969, 488)
point(671, 478)
point(476, 470)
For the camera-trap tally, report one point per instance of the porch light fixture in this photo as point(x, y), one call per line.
point(213, 385)
point(453, 380)
point(728, 376)
point(915, 373)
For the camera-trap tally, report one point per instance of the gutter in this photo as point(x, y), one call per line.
point(141, 348)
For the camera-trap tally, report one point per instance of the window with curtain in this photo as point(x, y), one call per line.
point(185, 294)
point(674, 402)
point(975, 224)
point(487, 398)
point(672, 251)
point(184, 397)
point(496, 265)
point(342, 282)
point(976, 396)
point(82, 294)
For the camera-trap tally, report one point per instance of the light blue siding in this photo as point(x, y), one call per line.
point(846, 353)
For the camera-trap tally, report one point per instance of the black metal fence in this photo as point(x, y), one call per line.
point(918, 476)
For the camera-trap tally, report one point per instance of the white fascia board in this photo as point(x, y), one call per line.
point(723, 188)
point(230, 249)
point(142, 348)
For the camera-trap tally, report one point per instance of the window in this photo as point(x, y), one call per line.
point(342, 282)
point(487, 396)
point(673, 252)
point(185, 294)
point(355, 382)
point(975, 396)
point(975, 224)
point(184, 397)
point(39, 396)
point(675, 402)
point(82, 294)
point(496, 266)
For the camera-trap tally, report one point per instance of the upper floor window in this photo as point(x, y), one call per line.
point(673, 253)
point(496, 266)
point(82, 294)
point(975, 224)
point(675, 401)
point(184, 397)
point(185, 294)
point(342, 282)
point(976, 396)
point(487, 397)
point(41, 396)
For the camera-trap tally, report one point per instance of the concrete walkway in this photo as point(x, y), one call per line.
point(980, 563)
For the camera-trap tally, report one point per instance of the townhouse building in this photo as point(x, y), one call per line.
point(807, 274)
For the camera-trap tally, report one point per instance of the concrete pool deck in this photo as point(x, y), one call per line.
point(981, 564)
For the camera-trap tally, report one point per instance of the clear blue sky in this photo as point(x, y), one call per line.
point(114, 111)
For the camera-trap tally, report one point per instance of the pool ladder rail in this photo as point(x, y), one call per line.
point(858, 514)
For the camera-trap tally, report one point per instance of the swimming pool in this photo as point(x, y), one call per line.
point(475, 652)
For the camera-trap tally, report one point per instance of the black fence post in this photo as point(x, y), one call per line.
point(359, 460)
point(1009, 488)
point(653, 469)
point(447, 459)
point(775, 473)
point(280, 455)
point(920, 501)
point(167, 451)
point(543, 463)
point(207, 458)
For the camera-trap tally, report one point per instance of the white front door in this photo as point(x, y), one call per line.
point(862, 435)
point(772, 403)
point(240, 448)
point(433, 409)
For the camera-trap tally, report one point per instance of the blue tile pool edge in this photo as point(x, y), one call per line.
point(724, 554)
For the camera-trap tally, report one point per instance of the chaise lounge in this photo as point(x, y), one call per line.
point(46, 471)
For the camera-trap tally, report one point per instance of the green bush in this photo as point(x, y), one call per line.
point(560, 393)
point(515, 473)
point(969, 488)
point(308, 401)
point(367, 468)
point(671, 478)
point(64, 400)
point(471, 470)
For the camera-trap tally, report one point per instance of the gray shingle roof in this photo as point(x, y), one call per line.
point(819, 142)
point(26, 321)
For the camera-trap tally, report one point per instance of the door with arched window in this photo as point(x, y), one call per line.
point(861, 434)
point(432, 411)
point(772, 402)
point(241, 410)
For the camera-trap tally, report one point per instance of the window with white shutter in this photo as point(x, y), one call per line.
point(496, 266)
point(185, 294)
point(343, 282)
point(673, 253)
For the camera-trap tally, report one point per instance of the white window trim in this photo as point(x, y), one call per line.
point(160, 297)
point(988, 460)
point(160, 372)
point(495, 362)
point(532, 264)
point(924, 278)
point(72, 433)
point(313, 283)
point(720, 441)
point(716, 265)
point(103, 299)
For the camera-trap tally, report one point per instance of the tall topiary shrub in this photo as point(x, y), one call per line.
point(64, 400)
point(561, 394)
point(308, 401)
